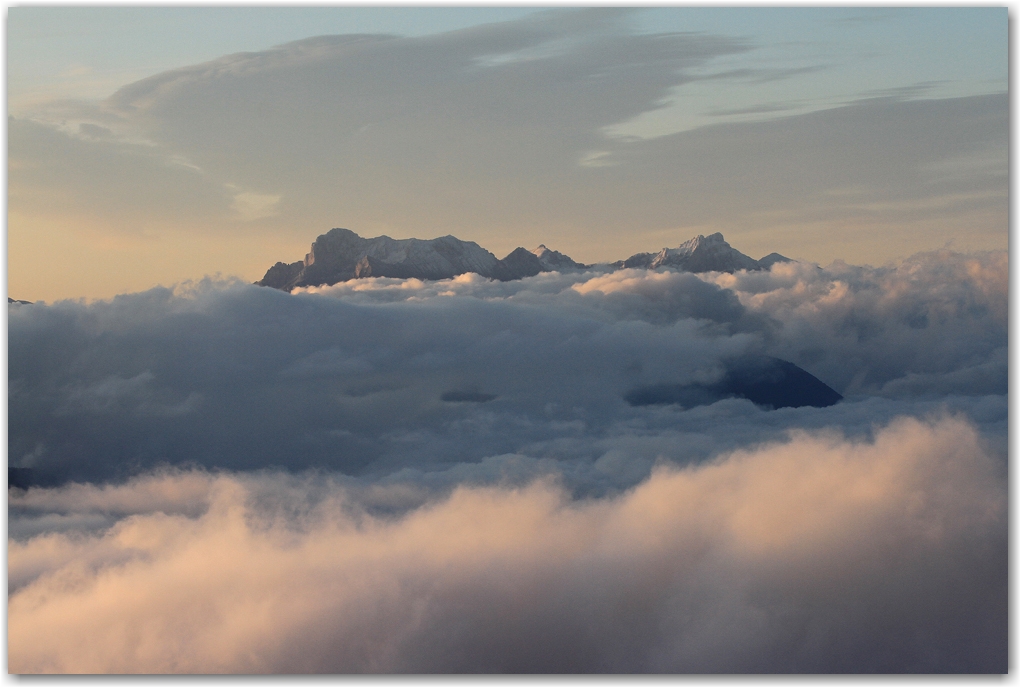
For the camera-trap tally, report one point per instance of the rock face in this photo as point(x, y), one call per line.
point(519, 264)
point(700, 254)
point(771, 259)
point(555, 261)
point(341, 255)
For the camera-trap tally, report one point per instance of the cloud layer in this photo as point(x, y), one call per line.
point(402, 476)
point(817, 554)
point(378, 375)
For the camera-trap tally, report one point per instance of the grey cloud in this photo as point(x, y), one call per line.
point(545, 72)
point(867, 16)
point(477, 119)
point(936, 323)
point(115, 394)
point(501, 142)
point(903, 92)
point(760, 76)
point(358, 377)
point(879, 147)
point(467, 397)
point(532, 521)
point(755, 109)
point(987, 377)
point(301, 381)
point(445, 476)
point(929, 319)
point(94, 131)
point(99, 177)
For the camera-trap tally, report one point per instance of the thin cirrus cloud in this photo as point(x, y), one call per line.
point(418, 114)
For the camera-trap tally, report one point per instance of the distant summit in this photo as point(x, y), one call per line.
point(700, 254)
point(554, 261)
point(771, 259)
point(341, 255)
point(765, 381)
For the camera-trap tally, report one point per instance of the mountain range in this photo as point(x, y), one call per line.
point(341, 255)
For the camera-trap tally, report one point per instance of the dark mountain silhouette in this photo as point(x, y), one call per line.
point(763, 380)
point(20, 478)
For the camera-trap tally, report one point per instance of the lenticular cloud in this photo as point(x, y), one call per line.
point(402, 476)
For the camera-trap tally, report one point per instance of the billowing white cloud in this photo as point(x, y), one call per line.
point(883, 330)
point(813, 554)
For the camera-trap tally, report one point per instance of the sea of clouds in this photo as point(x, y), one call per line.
point(402, 476)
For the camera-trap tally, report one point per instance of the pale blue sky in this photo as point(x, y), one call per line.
point(846, 53)
point(859, 133)
point(83, 51)
point(87, 51)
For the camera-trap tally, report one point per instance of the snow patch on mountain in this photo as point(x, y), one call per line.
point(341, 255)
point(700, 254)
point(555, 261)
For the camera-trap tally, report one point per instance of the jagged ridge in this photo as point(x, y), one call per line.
point(341, 255)
point(700, 254)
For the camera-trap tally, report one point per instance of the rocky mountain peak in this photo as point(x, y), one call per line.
point(705, 254)
point(340, 255)
point(701, 254)
point(552, 260)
